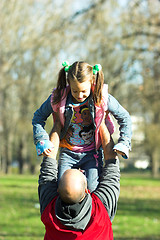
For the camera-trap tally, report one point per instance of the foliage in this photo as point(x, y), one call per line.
point(36, 36)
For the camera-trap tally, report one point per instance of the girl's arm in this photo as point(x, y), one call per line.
point(39, 121)
point(40, 136)
point(124, 120)
point(54, 136)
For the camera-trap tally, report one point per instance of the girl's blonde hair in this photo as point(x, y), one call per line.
point(81, 72)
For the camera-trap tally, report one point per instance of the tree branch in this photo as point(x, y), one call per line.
point(140, 50)
point(141, 33)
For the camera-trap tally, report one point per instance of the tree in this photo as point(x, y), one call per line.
point(36, 36)
point(33, 36)
point(28, 31)
point(141, 38)
point(126, 42)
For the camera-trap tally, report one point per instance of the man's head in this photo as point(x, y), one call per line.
point(72, 186)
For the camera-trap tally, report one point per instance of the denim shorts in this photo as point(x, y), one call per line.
point(91, 162)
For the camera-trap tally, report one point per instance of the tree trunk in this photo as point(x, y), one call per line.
point(155, 163)
point(7, 162)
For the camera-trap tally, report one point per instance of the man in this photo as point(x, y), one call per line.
point(68, 210)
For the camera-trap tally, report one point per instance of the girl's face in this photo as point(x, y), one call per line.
point(80, 91)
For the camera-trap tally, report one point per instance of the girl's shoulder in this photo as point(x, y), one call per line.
point(105, 97)
point(63, 99)
point(105, 87)
point(105, 92)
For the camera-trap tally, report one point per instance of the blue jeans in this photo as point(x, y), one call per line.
point(91, 162)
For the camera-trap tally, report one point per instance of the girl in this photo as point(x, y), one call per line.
point(82, 101)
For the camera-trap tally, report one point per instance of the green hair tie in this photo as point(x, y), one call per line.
point(66, 66)
point(97, 68)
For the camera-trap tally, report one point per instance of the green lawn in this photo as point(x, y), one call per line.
point(138, 214)
point(19, 215)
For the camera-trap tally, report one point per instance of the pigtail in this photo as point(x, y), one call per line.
point(97, 93)
point(61, 85)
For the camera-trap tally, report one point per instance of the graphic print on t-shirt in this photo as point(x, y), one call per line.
point(81, 131)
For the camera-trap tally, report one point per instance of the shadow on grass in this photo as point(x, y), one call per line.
point(21, 235)
point(139, 207)
point(18, 186)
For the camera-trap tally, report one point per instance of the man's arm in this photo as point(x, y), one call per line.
point(109, 186)
point(47, 189)
point(48, 173)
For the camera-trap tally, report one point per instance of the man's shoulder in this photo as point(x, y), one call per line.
point(98, 208)
point(49, 208)
point(96, 199)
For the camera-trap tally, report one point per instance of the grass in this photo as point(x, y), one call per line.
point(138, 214)
point(137, 218)
point(19, 215)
